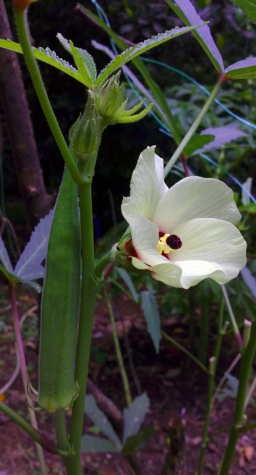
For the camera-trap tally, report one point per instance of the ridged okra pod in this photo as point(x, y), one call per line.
point(60, 303)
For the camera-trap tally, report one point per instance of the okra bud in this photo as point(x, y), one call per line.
point(60, 303)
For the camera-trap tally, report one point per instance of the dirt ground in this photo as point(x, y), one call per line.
point(175, 386)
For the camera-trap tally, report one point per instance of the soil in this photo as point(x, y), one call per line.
point(177, 390)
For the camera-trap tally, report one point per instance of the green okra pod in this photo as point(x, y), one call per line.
point(60, 303)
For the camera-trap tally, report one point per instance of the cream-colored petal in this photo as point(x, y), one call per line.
point(147, 185)
point(210, 240)
point(166, 272)
point(145, 238)
point(195, 197)
point(194, 272)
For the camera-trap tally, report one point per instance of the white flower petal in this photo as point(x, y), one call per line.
point(167, 272)
point(145, 237)
point(210, 240)
point(195, 197)
point(147, 184)
point(194, 272)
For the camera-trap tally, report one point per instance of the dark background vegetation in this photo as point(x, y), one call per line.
point(121, 144)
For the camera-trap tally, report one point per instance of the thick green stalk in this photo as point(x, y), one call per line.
point(89, 290)
point(126, 386)
point(42, 95)
point(193, 127)
point(245, 371)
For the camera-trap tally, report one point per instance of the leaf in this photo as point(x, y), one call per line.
point(231, 388)
point(196, 143)
point(29, 265)
point(99, 418)
point(84, 61)
point(249, 8)
point(244, 69)
point(91, 444)
point(250, 208)
point(46, 56)
point(246, 190)
point(134, 415)
point(249, 280)
point(221, 135)
point(150, 309)
point(4, 258)
point(187, 13)
point(131, 53)
point(128, 281)
point(136, 442)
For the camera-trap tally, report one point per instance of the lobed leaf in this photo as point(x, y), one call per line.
point(249, 8)
point(91, 444)
point(136, 442)
point(188, 14)
point(249, 280)
point(29, 265)
point(244, 69)
point(84, 61)
point(4, 258)
point(46, 56)
point(150, 309)
point(197, 142)
point(128, 281)
point(134, 51)
point(99, 418)
point(221, 136)
point(134, 415)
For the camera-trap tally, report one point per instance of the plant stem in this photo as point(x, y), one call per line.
point(245, 370)
point(212, 372)
point(101, 264)
point(126, 386)
point(59, 420)
point(182, 348)
point(212, 367)
point(232, 318)
point(24, 371)
point(31, 431)
point(42, 95)
point(193, 127)
point(89, 290)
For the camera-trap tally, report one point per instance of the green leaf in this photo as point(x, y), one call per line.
point(83, 60)
point(128, 281)
point(161, 105)
point(196, 143)
point(250, 208)
point(134, 415)
point(134, 51)
point(249, 8)
point(46, 56)
point(136, 442)
point(150, 309)
point(99, 418)
point(91, 444)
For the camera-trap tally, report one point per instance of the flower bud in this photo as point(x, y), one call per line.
point(110, 104)
point(85, 134)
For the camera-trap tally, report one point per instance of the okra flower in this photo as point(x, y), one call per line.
point(180, 235)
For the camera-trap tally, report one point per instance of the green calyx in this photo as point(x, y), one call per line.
point(121, 252)
point(85, 134)
point(110, 104)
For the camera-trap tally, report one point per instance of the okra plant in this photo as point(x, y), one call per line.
point(179, 236)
